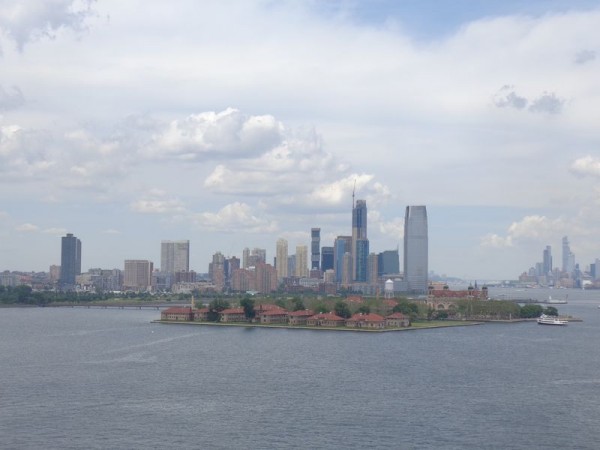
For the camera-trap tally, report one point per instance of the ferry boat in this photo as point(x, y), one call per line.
point(551, 320)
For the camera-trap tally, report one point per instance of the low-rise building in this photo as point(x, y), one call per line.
point(300, 317)
point(233, 315)
point(397, 320)
point(370, 320)
point(325, 320)
point(178, 313)
point(274, 315)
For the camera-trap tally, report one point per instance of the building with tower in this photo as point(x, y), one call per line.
point(416, 252)
point(70, 261)
point(359, 231)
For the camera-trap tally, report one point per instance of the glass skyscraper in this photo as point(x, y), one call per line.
point(359, 232)
point(416, 249)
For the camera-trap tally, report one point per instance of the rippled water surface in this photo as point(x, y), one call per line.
point(108, 378)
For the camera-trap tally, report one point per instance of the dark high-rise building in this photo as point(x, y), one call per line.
point(315, 248)
point(326, 258)
point(70, 260)
point(388, 262)
point(359, 231)
point(416, 249)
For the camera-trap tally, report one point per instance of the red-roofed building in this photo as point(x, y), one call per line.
point(325, 320)
point(201, 315)
point(178, 313)
point(233, 315)
point(356, 299)
point(300, 317)
point(273, 315)
point(370, 320)
point(397, 320)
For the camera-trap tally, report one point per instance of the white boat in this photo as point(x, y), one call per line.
point(551, 320)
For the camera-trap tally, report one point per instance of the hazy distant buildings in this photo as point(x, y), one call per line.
point(547, 261)
point(315, 248)
point(568, 258)
point(70, 260)
point(416, 249)
point(137, 275)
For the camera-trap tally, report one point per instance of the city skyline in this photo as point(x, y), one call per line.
point(234, 124)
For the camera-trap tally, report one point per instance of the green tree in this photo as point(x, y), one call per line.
point(215, 307)
point(341, 309)
point(407, 308)
point(364, 309)
point(298, 304)
point(248, 304)
point(531, 311)
point(551, 311)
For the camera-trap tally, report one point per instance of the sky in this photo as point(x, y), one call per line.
point(233, 123)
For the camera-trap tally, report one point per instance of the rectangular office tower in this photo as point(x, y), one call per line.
point(70, 260)
point(416, 249)
point(315, 248)
point(175, 256)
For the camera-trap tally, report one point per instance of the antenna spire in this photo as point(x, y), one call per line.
point(353, 190)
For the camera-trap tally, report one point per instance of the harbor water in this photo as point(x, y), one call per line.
point(75, 378)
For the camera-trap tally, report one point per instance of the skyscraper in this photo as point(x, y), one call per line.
point(137, 275)
point(301, 261)
point(389, 262)
point(315, 248)
point(359, 231)
point(341, 245)
point(361, 260)
point(326, 258)
point(547, 261)
point(281, 261)
point(416, 249)
point(70, 260)
point(568, 258)
point(175, 256)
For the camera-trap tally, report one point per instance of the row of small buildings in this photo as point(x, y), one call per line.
point(273, 314)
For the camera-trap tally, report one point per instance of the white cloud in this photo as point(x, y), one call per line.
point(215, 135)
point(27, 228)
point(235, 217)
point(495, 241)
point(158, 206)
point(26, 21)
point(587, 165)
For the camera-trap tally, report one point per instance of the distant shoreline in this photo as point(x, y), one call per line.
point(418, 326)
